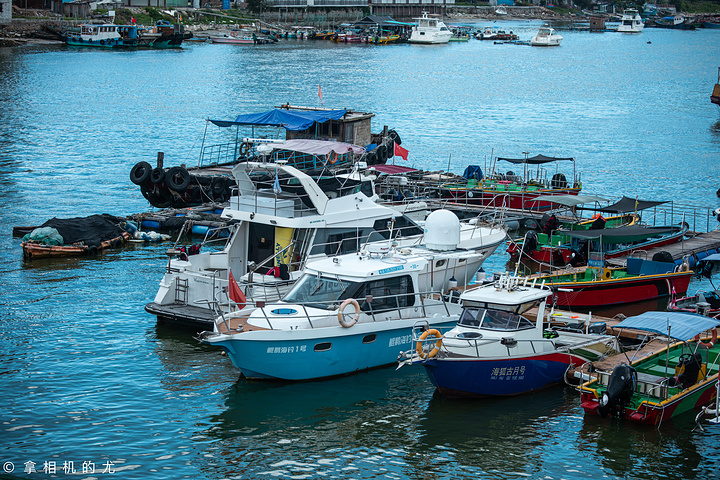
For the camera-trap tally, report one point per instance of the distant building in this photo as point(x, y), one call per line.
point(5, 12)
point(385, 6)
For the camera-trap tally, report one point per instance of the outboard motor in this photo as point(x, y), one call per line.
point(620, 389)
point(531, 241)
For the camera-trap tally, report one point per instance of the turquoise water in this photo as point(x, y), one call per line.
point(87, 376)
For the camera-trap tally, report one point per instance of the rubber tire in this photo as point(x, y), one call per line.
point(394, 135)
point(140, 173)
point(157, 175)
point(381, 152)
point(217, 186)
point(663, 256)
point(178, 179)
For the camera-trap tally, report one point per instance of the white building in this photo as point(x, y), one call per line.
point(5, 12)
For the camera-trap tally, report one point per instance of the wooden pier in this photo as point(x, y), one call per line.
point(696, 244)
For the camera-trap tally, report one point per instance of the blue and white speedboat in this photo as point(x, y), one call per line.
point(495, 350)
point(351, 312)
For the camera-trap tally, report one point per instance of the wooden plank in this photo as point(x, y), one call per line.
point(699, 243)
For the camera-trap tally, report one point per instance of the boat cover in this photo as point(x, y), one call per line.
point(627, 204)
point(624, 234)
point(568, 200)
point(392, 169)
point(317, 147)
point(91, 231)
point(677, 325)
point(536, 160)
point(294, 120)
point(715, 257)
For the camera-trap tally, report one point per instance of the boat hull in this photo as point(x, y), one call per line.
point(654, 413)
point(620, 290)
point(318, 353)
point(468, 377)
point(37, 250)
point(522, 200)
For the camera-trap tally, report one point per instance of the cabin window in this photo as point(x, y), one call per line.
point(404, 227)
point(366, 187)
point(322, 347)
point(493, 320)
point(387, 294)
point(369, 338)
point(319, 292)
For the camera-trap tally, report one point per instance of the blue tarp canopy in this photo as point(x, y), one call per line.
point(682, 326)
point(289, 119)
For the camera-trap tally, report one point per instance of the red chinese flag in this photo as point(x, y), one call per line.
point(132, 19)
point(401, 152)
point(236, 295)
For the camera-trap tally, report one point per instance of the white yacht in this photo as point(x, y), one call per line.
point(280, 218)
point(429, 29)
point(631, 22)
point(351, 312)
point(546, 37)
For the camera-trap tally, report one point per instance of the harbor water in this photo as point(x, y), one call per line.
point(88, 377)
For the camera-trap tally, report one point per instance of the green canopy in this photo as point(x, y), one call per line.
point(625, 234)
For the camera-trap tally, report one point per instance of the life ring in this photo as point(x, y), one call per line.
point(713, 339)
point(332, 157)
point(436, 348)
point(341, 315)
point(245, 148)
point(233, 33)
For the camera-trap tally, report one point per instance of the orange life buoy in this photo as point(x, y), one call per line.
point(713, 339)
point(333, 157)
point(436, 348)
point(341, 315)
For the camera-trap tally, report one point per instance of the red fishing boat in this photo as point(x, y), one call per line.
point(512, 190)
point(596, 286)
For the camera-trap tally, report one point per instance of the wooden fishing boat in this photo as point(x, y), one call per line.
point(595, 286)
point(74, 237)
point(680, 378)
point(38, 250)
point(614, 236)
point(715, 97)
point(515, 191)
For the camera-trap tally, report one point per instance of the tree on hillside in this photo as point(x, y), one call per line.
point(256, 6)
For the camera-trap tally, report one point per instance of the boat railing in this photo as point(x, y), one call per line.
point(385, 303)
point(219, 154)
point(215, 238)
point(698, 219)
point(430, 342)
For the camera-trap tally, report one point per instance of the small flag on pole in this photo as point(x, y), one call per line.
point(234, 292)
point(320, 95)
point(401, 152)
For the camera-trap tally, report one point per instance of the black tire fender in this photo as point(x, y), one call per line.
point(140, 173)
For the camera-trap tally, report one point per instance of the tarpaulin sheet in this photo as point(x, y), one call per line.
point(294, 120)
point(680, 326)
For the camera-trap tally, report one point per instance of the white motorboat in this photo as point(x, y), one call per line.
point(429, 29)
point(351, 312)
point(631, 22)
point(496, 350)
point(546, 37)
point(280, 219)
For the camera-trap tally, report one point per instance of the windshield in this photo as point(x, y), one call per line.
point(318, 291)
point(493, 319)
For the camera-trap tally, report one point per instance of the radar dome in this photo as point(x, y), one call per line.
point(442, 230)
